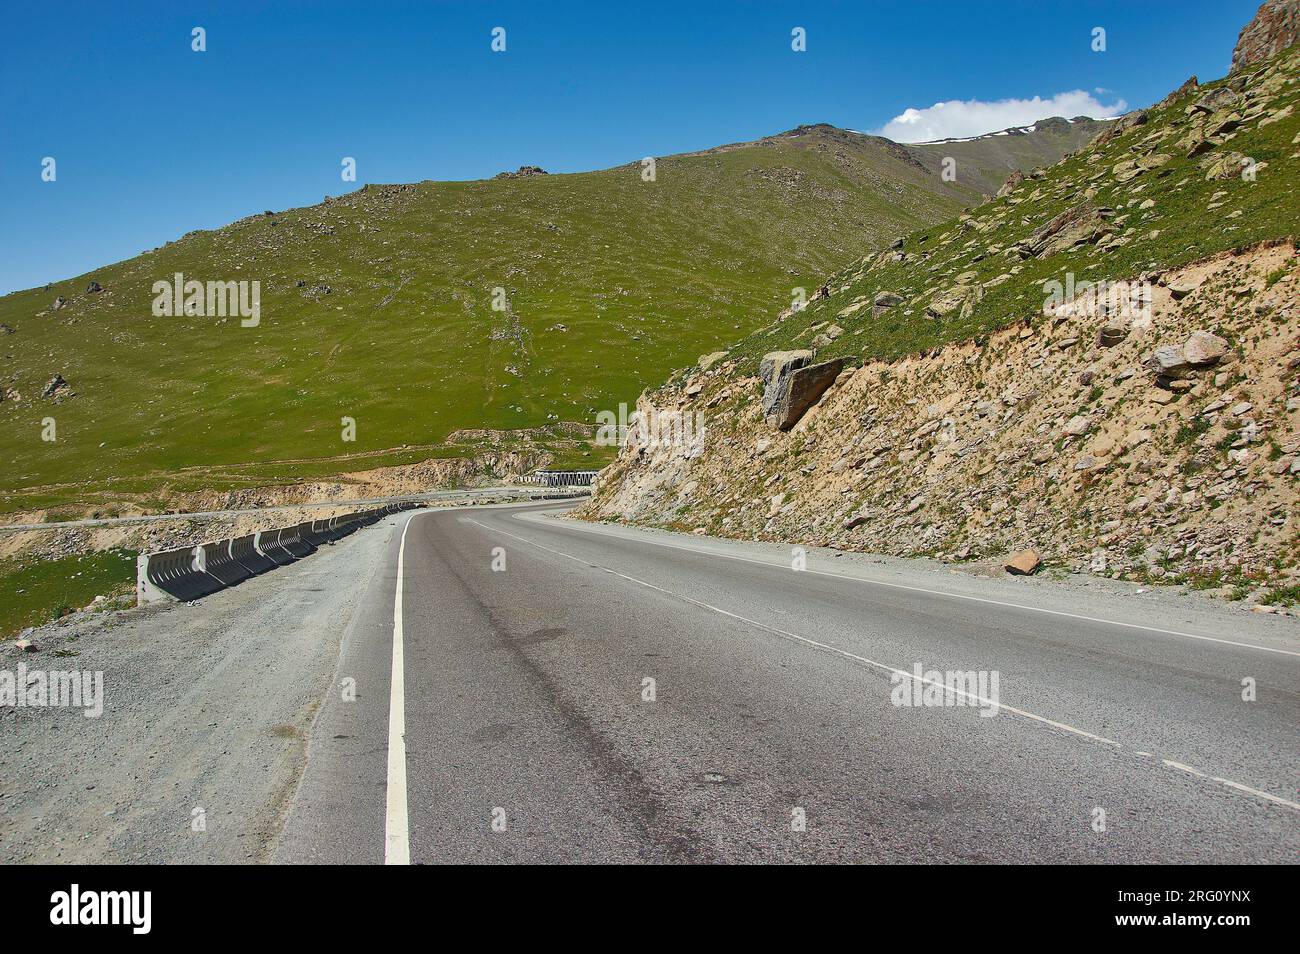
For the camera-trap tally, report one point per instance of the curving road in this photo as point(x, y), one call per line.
point(544, 690)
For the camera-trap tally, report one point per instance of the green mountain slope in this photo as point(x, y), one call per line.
point(377, 306)
point(1210, 168)
point(982, 164)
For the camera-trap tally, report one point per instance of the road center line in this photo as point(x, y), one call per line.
point(397, 840)
point(795, 637)
point(933, 592)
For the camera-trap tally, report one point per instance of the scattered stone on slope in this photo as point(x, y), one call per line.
point(709, 360)
point(54, 386)
point(1078, 425)
point(827, 337)
point(1023, 563)
point(1111, 334)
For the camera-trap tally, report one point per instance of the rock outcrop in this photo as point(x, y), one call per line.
point(524, 172)
point(1275, 27)
point(792, 385)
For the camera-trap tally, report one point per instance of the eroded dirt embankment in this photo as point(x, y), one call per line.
point(1066, 434)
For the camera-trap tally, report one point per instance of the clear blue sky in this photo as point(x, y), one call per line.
point(153, 140)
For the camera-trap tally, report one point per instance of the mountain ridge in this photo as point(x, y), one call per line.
point(378, 305)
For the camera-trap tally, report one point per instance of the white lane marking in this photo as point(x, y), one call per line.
point(397, 835)
point(1183, 768)
point(1257, 792)
point(931, 592)
point(890, 669)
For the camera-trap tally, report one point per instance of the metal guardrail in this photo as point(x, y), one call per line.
point(561, 478)
point(188, 573)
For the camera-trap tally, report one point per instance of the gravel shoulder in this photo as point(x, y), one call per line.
point(206, 712)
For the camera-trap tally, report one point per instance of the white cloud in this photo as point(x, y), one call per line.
point(958, 119)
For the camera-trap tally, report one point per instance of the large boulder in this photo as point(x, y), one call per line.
point(884, 301)
point(959, 299)
point(1221, 166)
point(1201, 350)
point(1219, 98)
point(1013, 180)
point(775, 364)
point(1167, 360)
point(1023, 563)
point(1075, 226)
point(792, 385)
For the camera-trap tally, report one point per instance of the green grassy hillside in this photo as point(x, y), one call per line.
point(378, 306)
point(1210, 168)
point(982, 164)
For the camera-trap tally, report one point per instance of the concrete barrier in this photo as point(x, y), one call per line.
point(245, 551)
point(291, 539)
point(316, 532)
point(179, 574)
point(219, 563)
point(187, 573)
point(267, 543)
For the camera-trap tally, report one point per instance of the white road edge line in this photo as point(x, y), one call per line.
point(932, 592)
point(397, 834)
point(890, 669)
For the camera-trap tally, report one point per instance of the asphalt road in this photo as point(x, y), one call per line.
point(546, 691)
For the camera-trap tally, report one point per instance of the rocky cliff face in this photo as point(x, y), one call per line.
point(1146, 427)
point(1275, 27)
